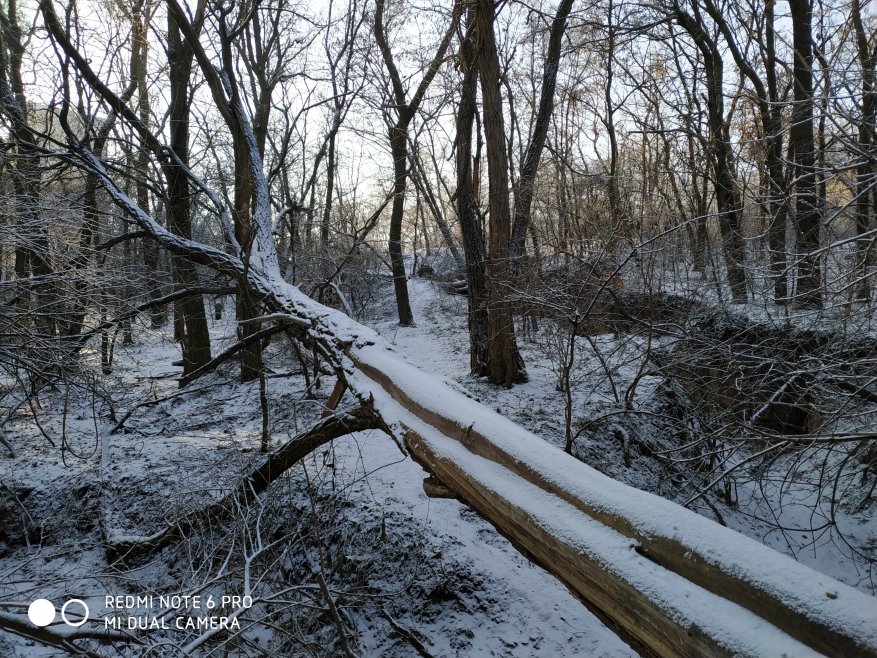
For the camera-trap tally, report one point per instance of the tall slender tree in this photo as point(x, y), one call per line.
point(190, 321)
point(866, 175)
point(524, 186)
point(404, 111)
point(728, 202)
point(770, 115)
point(505, 366)
point(808, 217)
point(32, 261)
point(466, 203)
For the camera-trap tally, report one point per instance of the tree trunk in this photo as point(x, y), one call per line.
point(530, 164)
point(139, 58)
point(809, 283)
point(330, 192)
point(190, 319)
point(774, 202)
point(398, 135)
point(612, 186)
point(778, 204)
point(31, 246)
point(473, 236)
point(504, 363)
point(866, 177)
point(246, 309)
point(728, 204)
point(399, 149)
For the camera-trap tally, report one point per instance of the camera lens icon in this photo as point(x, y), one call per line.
point(74, 612)
point(75, 622)
point(41, 612)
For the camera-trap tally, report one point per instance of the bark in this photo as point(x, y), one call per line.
point(399, 150)
point(504, 363)
point(190, 320)
point(330, 191)
point(809, 281)
point(229, 352)
point(473, 236)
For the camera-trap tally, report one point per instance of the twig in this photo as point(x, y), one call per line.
point(408, 635)
point(336, 616)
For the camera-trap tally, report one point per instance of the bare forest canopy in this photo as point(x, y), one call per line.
point(669, 205)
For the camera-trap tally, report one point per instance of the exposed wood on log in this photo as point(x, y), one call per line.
point(620, 600)
point(434, 488)
point(335, 397)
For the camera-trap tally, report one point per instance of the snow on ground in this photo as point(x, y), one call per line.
point(462, 589)
point(175, 456)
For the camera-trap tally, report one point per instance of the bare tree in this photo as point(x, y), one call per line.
point(770, 113)
point(190, 321)
point(504, 363)
point(524, 189)
point(32, 264)
point(866, 176)
point(728, 204)
point(808, 293)
point(467, 205)
point(404, 111)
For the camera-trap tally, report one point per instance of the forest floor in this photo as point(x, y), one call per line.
point(410, 574)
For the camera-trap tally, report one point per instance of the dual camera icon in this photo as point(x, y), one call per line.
point(73, 613)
